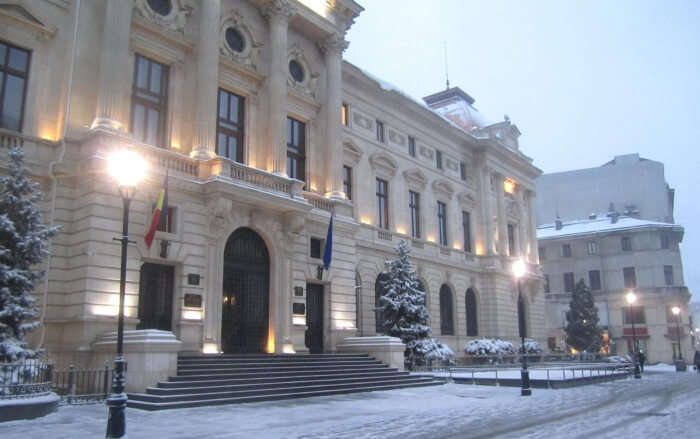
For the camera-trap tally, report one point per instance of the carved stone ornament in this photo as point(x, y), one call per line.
point(336, 44)
point(416, 178)
point(250, 55)
point(362, 121)
point(444, 188)
point(310, 81)
point(512, 210)
point(278, 9)
point(426, 152)
point(466, 199)
point(351, 151)
point(396, 138)
point(219, 210)
point(452, 165)
point(175, 20)
point(383, 164)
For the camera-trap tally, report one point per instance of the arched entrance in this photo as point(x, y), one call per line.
point(246, 298)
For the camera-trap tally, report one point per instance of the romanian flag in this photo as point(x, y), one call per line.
point(158, 216)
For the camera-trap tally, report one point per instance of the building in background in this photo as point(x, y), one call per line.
point(263, 131)
point(583, 235)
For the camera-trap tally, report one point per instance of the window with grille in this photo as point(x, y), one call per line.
point(149, 101)
point(463, 171)
point(592, 247)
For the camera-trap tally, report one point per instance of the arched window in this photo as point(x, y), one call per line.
point(379, 292)
point(470, 304)
point(358, 302)
point(447, 326)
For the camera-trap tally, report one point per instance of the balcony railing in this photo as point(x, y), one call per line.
point(319, 201)
point(260, 178)
point(172, 161)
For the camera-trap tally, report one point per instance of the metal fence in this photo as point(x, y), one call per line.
point(74, 385)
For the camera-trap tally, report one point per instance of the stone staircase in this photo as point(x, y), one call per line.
point(230, 379)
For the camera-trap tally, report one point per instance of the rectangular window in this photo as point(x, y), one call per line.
point(542, 252)
point(463, 171)
point(411, 146)
point(315, 246)
point(344, 114)
point(633, 314)
point(229, 127)
point(296, 149)
point(167, 219)
point(665, 241)
point(626, 243)
point(592, 247)
point(347, 182)
point(438, 159)
point(414, 209)
point(630, 277)
point(467, 230)
point(668, 274)
point(569, 282)
point(511, 240)
point(382, 203)
point(149, 101)
point(547, 288)
point(380, 131)
point(594, 280)
point(442, 222)
point(566, 250)
point(14, 72)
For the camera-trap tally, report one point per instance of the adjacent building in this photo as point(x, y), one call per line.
point(262, 131)
point(637, 249)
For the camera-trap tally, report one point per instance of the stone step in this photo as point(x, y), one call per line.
point(274, 370)
point(258, 374)
point(271, 357)
point(233, 362)
point(275, 366)
point(136, 402)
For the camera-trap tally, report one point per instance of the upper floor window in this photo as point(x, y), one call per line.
point(594, 280)
point(380, 131)
point(592, 247)
point(511, 240)
point(668, 274)
point(149, 101)
point(344, 114)
point(633, 314)
point(296, 149)
point(161, 7)
point(626, 243)
point(14, 70)
point(438, 159)
point(466, 229)
point(630, 277)
point(411, 146)
point(167, 220)
point(566, 250)
point(665, 241)
point(382, 203)
point(542, 252)
point(547, 288)
point(463, 171)
point(229, 127)
point(414, 209)
point(296, 70)
point(569, 282)
point(442, 222)
point(347, 182)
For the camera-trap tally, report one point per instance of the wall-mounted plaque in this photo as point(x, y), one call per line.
point(193, 300)
point(299, 308)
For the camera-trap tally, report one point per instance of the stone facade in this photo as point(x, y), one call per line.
point(80, 105)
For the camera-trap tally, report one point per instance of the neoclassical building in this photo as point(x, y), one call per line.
point(262, 131)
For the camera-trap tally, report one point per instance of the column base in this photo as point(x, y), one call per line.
point(107, 124)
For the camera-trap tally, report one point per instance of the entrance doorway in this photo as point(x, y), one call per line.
point(246, 298)
point(314, 318)
point(156, 297)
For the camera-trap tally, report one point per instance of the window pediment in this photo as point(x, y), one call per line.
point(466, 199)
point(415, 178)
point(26, 16)
point(383, 164)
point(351, 151)
point(441, 187)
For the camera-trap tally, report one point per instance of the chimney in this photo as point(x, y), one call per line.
point(612, 213)
point(558, 224)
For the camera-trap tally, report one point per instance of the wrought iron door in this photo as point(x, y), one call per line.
point(314, 318)
point(244, 317)
point(156, 297)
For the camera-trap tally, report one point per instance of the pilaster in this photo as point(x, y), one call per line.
point(532, 226)
point(502, 247)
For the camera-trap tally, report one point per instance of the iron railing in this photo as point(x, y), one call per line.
point(81, 386)
point(25, 379)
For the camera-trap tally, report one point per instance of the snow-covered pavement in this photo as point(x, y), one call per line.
point(662, 404)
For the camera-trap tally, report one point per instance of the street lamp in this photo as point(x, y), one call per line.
point(679, 362)
point(631, 298)
point(128, 169)
point(519, 269)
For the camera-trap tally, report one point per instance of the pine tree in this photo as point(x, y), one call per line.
point(22, 249)
point(404, 312)
point(582, 330)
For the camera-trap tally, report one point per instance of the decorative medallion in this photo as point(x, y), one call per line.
point(170, 14)
point(237, 41)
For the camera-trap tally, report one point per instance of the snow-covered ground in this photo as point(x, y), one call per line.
point(662, 404)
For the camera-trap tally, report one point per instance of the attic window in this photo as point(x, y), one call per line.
point(161, 7)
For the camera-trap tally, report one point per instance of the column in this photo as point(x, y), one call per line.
point(532, 226)
point(332, 50)
point(204, 138)
point(112, 95)
point(501, 213)
point(487, 209)
point(523, 226)
point(278, 13)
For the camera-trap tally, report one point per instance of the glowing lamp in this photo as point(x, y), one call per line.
point(631, 297)
point(128, 169)
point(518, 268)
point(675, 310)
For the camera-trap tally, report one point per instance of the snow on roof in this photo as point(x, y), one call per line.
point(598, 225)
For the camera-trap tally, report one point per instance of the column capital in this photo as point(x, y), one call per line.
point(334, 45)
point(278, 10)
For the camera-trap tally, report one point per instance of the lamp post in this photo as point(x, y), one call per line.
point(631, 298)
point(128, 169)
point(519, 269)
point(676, 310)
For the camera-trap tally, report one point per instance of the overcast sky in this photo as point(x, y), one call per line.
point(583, 80)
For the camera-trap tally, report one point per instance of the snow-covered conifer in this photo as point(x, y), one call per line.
point(582, 330)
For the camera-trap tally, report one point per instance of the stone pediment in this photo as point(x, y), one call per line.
point(416, 177)
point(441, 187)
point(25, 15)
point(383, 163)
point(352, 151)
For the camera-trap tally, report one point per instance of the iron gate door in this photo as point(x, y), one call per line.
point(245, 308)
point(314, 318)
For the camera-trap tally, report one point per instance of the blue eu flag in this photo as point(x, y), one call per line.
point(328, 251)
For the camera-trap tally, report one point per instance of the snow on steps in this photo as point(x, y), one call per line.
point(230, 379)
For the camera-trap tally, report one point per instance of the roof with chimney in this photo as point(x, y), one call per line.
point(593, 226)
